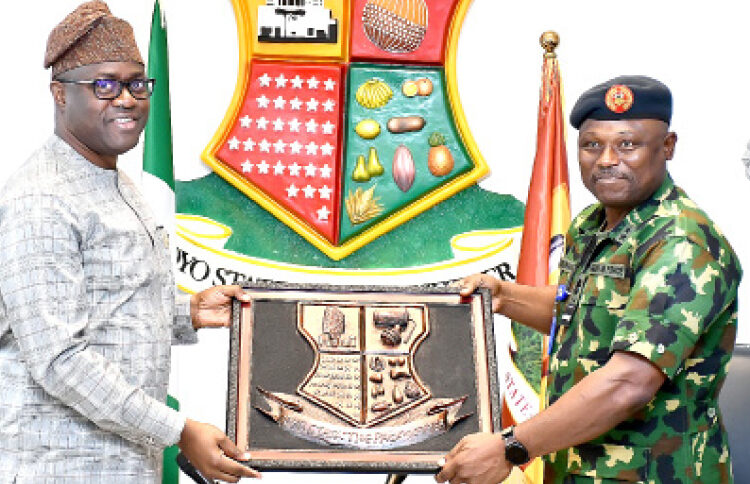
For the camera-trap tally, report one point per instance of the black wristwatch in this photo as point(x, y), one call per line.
point(515, 451)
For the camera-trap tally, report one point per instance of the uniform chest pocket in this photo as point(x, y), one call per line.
point(605, 291)
point(601, 305)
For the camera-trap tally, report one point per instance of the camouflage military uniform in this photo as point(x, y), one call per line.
point(662, 284)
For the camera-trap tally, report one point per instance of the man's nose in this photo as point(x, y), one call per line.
point(125, 99)
point(608, 157)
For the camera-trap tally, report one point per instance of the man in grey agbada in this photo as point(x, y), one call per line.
point(88, 309)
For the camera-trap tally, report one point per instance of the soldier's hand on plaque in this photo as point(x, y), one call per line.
point(470, 283)
point(212, 308)
point(212, 453)
point(476, 459)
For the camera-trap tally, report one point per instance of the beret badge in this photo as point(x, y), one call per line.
point(619, 98)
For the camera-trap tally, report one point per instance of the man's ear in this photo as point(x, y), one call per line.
point(58, 93)
point(669, 144)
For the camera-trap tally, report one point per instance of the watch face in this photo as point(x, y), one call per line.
point(515, 453)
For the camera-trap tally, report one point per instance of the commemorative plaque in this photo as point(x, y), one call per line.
point(384, 379)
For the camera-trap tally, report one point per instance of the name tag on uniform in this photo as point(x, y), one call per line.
point(609, 270)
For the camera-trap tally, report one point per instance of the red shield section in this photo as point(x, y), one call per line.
point(287, 139)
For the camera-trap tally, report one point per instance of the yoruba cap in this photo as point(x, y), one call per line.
point(90, 34)
point(624, 97)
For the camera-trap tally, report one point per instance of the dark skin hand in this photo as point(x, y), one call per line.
point(476, 459)
point(207, 447)
point(212, 308)
point(531, 305)
point(213, 454)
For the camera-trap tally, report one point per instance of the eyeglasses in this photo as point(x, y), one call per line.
point(108, 89)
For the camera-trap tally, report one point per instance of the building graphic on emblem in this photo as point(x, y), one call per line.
point(334, 329)
point(296, 21)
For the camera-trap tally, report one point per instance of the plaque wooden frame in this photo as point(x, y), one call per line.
point(457, 360)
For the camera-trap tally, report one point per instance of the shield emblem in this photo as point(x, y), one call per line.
point(346, 121)
point(364, 370)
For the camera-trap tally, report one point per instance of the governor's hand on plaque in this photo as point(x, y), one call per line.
point(212, 308)
point(476, 459)
point(205, 446)
point(212, 453)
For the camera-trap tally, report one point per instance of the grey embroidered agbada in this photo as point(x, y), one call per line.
point(87, 316)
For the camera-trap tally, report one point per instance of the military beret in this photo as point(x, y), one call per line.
point(90, 34)
point(624, 97)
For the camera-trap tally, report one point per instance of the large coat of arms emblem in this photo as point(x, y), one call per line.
point(346, 121)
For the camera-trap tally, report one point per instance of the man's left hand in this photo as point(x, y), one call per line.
point(212, 308)
point(476, 459)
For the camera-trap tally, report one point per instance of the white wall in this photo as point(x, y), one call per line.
point(699, 51)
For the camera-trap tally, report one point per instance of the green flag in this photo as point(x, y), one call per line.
point(158, 173)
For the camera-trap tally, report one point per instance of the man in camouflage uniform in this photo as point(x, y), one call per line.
point(646, 313)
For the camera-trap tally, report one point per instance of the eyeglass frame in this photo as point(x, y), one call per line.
point(150, 82)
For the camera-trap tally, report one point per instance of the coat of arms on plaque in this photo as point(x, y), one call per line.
point(363, 375)
point(359, 379)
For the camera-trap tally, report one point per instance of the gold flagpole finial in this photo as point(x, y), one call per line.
point(549, 42)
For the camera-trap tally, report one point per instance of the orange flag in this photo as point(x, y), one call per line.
point(545, 223)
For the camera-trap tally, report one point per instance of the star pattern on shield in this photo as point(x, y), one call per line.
point(287, 133)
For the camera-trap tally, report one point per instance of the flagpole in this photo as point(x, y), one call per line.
point(547, 216)
point(549, 41)
point(560, 202)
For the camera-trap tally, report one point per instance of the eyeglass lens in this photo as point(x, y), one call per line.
point(111, 88)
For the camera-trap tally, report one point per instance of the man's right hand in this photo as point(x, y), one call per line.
point(470, 283)
point(532, 306)
point(212, 453)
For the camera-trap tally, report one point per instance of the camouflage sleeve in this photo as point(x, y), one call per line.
point(678, 290)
